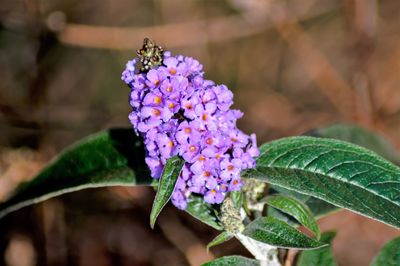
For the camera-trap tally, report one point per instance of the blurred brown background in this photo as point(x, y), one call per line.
point(293, 66)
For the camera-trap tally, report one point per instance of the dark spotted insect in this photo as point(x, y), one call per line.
point(150, 55)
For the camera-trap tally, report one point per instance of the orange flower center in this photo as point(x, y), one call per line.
point(156, 82)
point(202, 158)
point(213, 191)
point(189, 106)
point(156, 112)
point(209, 141)
point(234, 139)
point(230, 167)
point(171, 144)
point(204, 117)
point(169, 89)
point(235, 182)
point(192, 148)
point(171, 105)
point(207, 174)
point(157, 100)
point(172, 71)
point(188, 130)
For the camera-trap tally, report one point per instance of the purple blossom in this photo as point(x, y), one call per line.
point(214, 196)
point(171, 65)
point(154, 98)
point(178, 112)
point(188, 130)
point(190, 150)
point(230, 168)
point(235, 184)
point(224, 97)
point(204, 114)
point(155, 166)
point(172, 87)
point(188, 105)
point(154, 78)
point(167, 146)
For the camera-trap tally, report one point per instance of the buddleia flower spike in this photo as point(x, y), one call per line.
point(179, 112)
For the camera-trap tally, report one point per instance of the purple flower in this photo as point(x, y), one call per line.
point(230, 168)
point(235, 184)
point(188, 130)
point(224, 97)
point(189, 150)
point(192, 64)
point(171, 64)
point(172, 88)
point(150, 118)
point(238, 138)
point(129, 73)
point(178, 112)
point(213, 141)
point(186, 174)
point(155, 166)
point(208, 96)
point(154, 78)
point(214, 196)
point(253, 150)
point(179, 200)
point(167, 146)
point(134, 119)
point(204, 114)
point(188, 105)
point(153, 98)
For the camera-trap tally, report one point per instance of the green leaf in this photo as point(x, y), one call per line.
point(219, 239)
point(338, 172)
point(353, 134)
point(356, 135)
point(237, 198)
point(318, 207)
point(265, 253)
point(277, 233)
point(166, 186)
point(319, 257)
point(232, 261)
point(349, 133)
point(274, 189)
point(296, 209)
point(203, 212)
point(359, 136)
point(111, 158)
point(389, 254)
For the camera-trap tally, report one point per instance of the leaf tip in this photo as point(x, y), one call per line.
point(152, 219)
point(318, 235)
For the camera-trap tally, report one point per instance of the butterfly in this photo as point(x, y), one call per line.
point(150, 55)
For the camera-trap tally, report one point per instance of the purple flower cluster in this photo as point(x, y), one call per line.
point(178, 112)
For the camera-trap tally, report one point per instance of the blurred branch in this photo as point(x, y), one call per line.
point(388, 96)
point(328, 79)
point(174, 34)
point(291, 257)
point(176, 232)
point(61, 118)
point(172, 227)
point(362, 17)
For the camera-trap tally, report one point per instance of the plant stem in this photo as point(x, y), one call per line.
point(266, 254)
